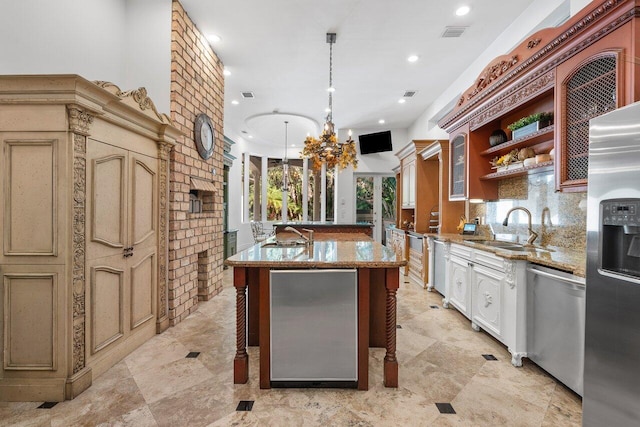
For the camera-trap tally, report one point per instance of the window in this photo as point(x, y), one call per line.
point(255, 188)
point(273, 182)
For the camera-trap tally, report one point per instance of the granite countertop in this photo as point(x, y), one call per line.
point(330, 250)
point(560, 258)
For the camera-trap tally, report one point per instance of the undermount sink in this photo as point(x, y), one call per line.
point(285, 244)
point(509, 246)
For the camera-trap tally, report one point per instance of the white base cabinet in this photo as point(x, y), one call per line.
point(491, 292)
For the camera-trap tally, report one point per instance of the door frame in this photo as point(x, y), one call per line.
point(378, 226)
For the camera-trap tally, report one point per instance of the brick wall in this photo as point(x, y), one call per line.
point(195, 240)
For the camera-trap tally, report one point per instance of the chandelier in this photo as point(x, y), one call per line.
point(326, 149)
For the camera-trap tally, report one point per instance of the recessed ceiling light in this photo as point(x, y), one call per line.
point(327, 110)
point(226, 72)
point(412, 58)
point(213, 38)
point(381, 121)
point(332, 89)
point(235, 102)
point(401, 101)
point(250, 136)
point(462, 10)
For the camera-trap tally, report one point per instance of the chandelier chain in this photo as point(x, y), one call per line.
point(330, 112)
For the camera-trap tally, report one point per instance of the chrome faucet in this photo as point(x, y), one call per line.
point(308, 240)
point(532, 234)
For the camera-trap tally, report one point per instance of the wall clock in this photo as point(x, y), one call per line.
point(205, 135)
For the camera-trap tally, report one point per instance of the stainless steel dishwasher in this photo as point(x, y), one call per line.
point(314, 328)
point(555, 323)
point(439, 267)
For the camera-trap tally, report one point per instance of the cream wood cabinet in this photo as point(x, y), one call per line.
point(491, 292)
point(409, 184)
point(416, 259)
point(84, 220)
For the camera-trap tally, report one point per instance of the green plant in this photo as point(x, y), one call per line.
point(537, 117)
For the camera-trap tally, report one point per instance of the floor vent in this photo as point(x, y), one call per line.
point(245, 405)
point(489, 357)
point(445, 408)
point(193, 354)
point(47, 405)
point(453, 32)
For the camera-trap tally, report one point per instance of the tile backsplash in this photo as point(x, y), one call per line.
point(558, 218)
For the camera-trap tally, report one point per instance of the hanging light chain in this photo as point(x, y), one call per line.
point(330, 113)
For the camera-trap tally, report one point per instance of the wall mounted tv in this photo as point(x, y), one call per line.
point(375, 142)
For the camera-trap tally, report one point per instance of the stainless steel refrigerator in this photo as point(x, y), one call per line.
point(612, 335)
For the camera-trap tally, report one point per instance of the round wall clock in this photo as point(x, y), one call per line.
point(205, 135)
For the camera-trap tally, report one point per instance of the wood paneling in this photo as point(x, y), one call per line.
point(31, 198)
point(143, 279)
point(109, 204)
point(30, 335)
point(106, 306)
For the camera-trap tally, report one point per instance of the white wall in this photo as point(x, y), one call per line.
point(126, 42)
point(541, 14)
point(147, 50)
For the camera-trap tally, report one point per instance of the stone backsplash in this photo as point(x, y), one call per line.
point(558, 218)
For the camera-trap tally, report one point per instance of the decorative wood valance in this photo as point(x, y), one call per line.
point(537, 55)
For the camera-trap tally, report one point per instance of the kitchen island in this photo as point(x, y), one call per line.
point(377, 283)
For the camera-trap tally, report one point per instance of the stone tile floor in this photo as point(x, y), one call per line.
point(440, 362)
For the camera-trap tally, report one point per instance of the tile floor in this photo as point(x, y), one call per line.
point(441, 362)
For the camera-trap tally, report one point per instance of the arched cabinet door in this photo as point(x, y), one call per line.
point(591, 88)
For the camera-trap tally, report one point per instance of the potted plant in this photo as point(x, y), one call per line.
point(530, 124)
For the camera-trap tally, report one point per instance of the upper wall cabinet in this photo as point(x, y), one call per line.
point(573, 73)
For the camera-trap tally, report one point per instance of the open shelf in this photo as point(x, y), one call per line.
point(538, 168)
point(542, 139)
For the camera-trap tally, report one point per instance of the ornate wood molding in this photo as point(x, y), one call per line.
point(512, 99)
point(79, 119)
point(164, 150)
point(139, 96)
point(491, 73)
point(79, 122)
point(510, 272)
point(567, 33)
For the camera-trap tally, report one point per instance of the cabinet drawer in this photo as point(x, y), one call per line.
point(488, 259)
point(461, 251)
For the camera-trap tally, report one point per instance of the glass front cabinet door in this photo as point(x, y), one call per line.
point(458, 159)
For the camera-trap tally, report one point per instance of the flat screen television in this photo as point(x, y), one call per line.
point(375, 142)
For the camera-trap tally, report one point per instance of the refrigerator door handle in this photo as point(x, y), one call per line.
point(619, 276)
point(576, 282)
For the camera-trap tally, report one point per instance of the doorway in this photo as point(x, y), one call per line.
point(376, 202)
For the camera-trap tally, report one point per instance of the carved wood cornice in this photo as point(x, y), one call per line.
point(568, 33)
point(139, 96)
point(79, 119)
point(511, 99)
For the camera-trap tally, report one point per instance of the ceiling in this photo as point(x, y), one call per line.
point(277, 49)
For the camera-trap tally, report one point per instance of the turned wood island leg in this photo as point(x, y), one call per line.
point(241, 360)
point(390, 361)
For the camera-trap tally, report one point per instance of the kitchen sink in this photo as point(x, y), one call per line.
point(509, 246)
point(285, 244)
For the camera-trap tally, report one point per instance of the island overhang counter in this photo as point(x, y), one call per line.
point(377, 283)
